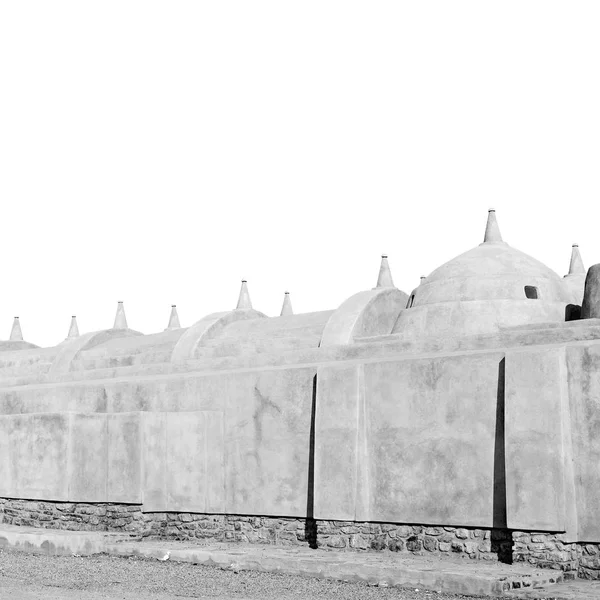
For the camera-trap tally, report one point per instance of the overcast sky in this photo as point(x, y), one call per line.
point(159, 152)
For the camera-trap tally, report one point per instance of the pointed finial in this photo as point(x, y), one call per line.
point(576, 265)
point(173, 319)
point(16, 335)
point(73, 329)
point(120, 318)
point(492, 231)
point(385, 275)
point(286, 308)
point(244, 298)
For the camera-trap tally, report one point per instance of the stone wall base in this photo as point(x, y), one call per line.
point(548, 550)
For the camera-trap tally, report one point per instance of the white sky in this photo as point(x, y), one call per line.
point(159, 152)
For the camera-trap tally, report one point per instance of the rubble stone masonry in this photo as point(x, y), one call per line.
point(548, 550)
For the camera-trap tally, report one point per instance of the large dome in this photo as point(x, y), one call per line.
point(491, 271)
point(485, 290)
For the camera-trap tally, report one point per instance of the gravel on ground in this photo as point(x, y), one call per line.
point(103, 577)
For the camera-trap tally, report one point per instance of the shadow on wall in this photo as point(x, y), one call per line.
point(311, 525)
point(501, 537)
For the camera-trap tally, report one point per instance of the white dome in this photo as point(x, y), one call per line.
point(491, 271)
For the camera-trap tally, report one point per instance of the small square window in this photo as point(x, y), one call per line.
point(531, 292)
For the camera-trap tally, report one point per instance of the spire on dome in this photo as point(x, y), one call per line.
point(173, 319)
point(120, 318)
point(244, 298)
point(492, 231)
point(73, 329)
point(576, 265)
point(16, 335)
point(385, 275)
point(286, 308)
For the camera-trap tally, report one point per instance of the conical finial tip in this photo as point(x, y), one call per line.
point(16, 335)
point(173, 319)
point(576, 266)
point(492, 231)
point(244, 297)
point(384, 278)
point(286, 308)
point(120, 318)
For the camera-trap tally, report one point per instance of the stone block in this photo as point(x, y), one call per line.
point(396, 545)
point(336, 541)
point(379, 543)
point(471, 547)
point(414, 544)
point(430, 543)
point(358, 542)
point(350, 530)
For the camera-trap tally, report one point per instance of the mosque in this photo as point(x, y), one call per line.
point(462, 419)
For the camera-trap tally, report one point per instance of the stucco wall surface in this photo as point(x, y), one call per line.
point(183, 461)
point(400, 437)
point(583, 364)
point(34, 456)
point(467, 318)
point(235, 444)
point(70, 456)
point(537, 439)
point(408, 441)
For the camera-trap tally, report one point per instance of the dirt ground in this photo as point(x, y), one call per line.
point(40, 577)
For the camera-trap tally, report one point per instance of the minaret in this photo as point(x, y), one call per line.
point(16, 335)
point(244, 298)
point(173, 319)
point(492, 231)
point(73, 329)
point(286, 308)
point(385, 275)
point(120, 318)
point(576, 265)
